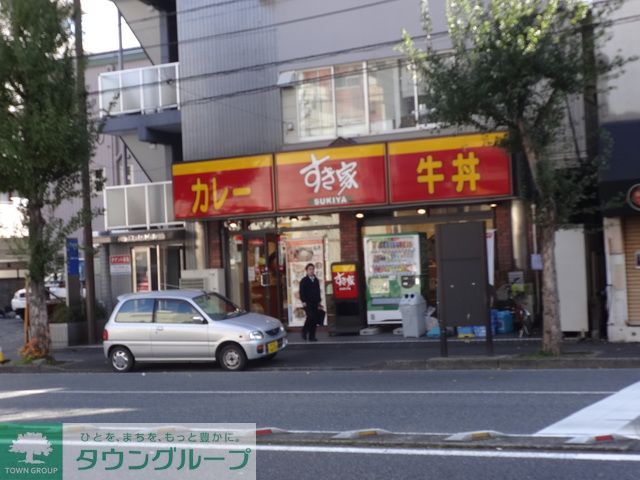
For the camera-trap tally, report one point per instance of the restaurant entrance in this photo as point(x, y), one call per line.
point(255, 280)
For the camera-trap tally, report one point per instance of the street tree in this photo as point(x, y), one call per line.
point(43, 136)
point(515, 65)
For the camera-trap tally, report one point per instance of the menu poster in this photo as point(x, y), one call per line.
point(300, 253)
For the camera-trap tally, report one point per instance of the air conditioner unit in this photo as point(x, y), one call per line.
point(210, 280)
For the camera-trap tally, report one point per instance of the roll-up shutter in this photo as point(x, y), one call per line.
point(632, 256)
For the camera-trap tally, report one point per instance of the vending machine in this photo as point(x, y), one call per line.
point(394, 265)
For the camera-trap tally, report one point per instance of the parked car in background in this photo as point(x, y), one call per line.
point(55, 287)
point(19, 302)
point(188, 326)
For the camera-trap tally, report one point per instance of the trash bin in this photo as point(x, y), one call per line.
point(413, 309)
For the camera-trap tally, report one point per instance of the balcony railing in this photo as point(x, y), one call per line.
point(140, 90)
point(141, 205)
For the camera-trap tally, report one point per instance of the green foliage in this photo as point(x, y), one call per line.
point(62, 313)
point(516, 65)
point(43, 135)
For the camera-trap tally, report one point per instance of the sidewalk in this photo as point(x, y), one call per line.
point(380, 352)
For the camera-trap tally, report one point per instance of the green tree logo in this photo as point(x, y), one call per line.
point(31, 444)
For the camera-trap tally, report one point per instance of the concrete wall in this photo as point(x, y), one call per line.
point(252, 123)
point(622, 102)
point(618, 329)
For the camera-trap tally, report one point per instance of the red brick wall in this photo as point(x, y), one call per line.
point(504, 247)
point(215, 244)
point(349, 237)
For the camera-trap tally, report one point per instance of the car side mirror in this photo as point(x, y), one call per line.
point(199, 320)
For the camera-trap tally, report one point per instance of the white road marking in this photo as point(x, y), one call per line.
point(47, 414)
point(573, 456)
point(25, 393)
point(329, 392)
point(618, 413)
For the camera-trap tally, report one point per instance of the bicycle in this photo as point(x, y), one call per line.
point(506, 299)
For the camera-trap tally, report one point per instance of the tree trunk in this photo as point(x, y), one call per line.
point(38, 318)
point(551, 334)
point(29, 456)
point(37, 295)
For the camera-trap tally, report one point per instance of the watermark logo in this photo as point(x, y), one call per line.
point(31, 444)
point(127, 451)
point(30, 452)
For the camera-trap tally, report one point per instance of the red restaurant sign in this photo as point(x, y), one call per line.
point(345, 281)
point(331, 177)
point(223, 187)
point(449, 168)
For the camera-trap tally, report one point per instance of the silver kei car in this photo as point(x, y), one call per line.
point(188, 326)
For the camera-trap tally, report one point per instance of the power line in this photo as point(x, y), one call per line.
point(182, 22)
point(261, 66)
point(362, 48)
point(228, 2)
point(186, 10)
point(270, 25)
point(253, 91)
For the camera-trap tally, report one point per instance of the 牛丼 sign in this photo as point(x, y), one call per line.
point(449, 168)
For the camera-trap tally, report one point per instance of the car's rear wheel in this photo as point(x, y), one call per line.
point(232, 358)
point(121, 359)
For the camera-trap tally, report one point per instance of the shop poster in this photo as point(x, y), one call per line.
point(300, 253)
point(491, 254)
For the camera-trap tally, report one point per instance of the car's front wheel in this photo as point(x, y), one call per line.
point(232, 358)
point(121, 359)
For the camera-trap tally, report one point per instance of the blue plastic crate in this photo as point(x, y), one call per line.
point(505, 322)
point(465, 332)
point(482, 331)
point(434, 333)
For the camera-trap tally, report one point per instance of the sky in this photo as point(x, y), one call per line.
point(100, 25)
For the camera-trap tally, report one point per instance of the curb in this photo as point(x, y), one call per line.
point(482, 441)
point(504, 362)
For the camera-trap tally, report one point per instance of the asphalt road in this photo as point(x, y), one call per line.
point(520, 402)
point(517, 402)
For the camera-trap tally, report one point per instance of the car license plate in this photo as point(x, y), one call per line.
point(272, 347)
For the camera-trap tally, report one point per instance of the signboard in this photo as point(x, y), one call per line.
point(449, 168)
point(300, 253)
point(120, 264)
point(223, 187)
point(331, 177)
point(73, 257)
point(344, 277)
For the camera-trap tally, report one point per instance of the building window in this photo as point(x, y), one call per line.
point(98, 179)
point(315, 103)
point(351, 100)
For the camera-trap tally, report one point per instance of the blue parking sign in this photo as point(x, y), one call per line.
point(73, 259)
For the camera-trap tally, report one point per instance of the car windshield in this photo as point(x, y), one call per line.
point(218, 307)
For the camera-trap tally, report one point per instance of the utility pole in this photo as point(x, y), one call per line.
point(86, 181)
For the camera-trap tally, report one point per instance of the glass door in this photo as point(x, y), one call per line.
point(262, 274)
point(145, 269)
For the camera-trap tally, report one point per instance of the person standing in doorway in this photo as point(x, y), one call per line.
point(310, 297)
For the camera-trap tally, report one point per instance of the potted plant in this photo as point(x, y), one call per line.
point(66, 326)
